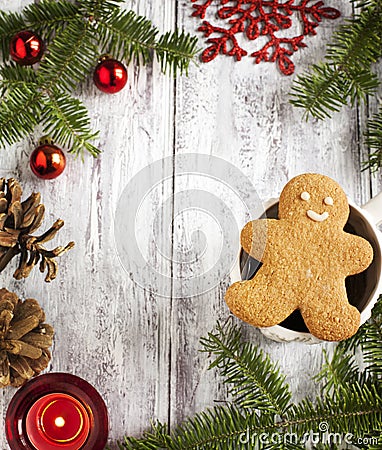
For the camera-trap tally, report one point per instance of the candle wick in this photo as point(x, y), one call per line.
point(59, 422)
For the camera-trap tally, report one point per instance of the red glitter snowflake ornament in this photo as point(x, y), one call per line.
point(255, 18)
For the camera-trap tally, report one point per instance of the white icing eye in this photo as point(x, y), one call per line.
point(328, 201)
point(305, 196)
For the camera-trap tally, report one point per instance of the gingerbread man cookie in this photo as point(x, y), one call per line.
point(306, 259)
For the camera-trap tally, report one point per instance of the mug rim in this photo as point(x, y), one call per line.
point(283, 334)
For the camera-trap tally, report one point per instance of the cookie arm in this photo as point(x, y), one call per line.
point(253, 237)
point(358, 255)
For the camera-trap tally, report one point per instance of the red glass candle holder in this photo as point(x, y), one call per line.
point(57, 411)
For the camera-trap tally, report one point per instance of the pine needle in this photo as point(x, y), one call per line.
point(98, 8)
point(135, 38)
point(126, 35)
point(373, 136)
point(12, 75)
point(49, 17)
point(371, 338)
point(255, 381)
point(339, 371)
point(66, 120)
point(71, 57)
point(20, 113)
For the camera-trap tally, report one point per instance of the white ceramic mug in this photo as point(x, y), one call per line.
point(367, 285)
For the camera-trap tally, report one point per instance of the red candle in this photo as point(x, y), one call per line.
point(57, 421)
point(57, 411)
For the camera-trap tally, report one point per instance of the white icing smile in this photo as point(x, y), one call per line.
point(317, 217)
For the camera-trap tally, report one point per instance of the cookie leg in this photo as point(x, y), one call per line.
point(329, 316)
point(258, 303)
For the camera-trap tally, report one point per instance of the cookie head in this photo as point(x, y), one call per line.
point(314, 199)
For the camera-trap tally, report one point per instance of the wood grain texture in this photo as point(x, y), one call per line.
point(140, 349)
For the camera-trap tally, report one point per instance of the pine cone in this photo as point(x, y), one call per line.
point(24, 339)
point(18, 221)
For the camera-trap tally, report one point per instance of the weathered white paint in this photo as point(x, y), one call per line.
point(140, 350)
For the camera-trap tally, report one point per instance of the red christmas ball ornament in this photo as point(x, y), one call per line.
point(110, 75)
point(26, 48)
point(47, 161)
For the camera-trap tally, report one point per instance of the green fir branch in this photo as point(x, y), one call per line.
point(97, 8)
point(10, 24)
point(157, 437)
point(226, 427)
point(175, 51)
point(320, 92)
point(62, 116)
point(126, 35)
point(368, 338)
point(357, 42)
point(362, 83)
point(135, 38)
point(346, 75)
point(49, 17)
point(351, 401)
point(371, 341)
point(220, 428)
point(66, 120)
point(20, 107)
point(12, 75)
point(359, 410)
point(344, 367)
point(373, 136)
point(338, 371)
point(255, 382)
point(20, 113)
point(71, 57)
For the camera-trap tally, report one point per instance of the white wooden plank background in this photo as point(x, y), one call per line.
point(141, 350)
